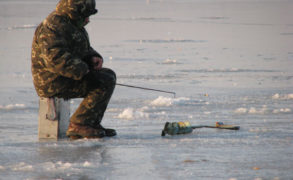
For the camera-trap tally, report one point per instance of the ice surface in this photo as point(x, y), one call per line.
point(228, 61)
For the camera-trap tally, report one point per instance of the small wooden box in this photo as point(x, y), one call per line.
point(54, 115)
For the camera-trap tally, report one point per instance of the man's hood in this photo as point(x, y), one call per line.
point(77, 10)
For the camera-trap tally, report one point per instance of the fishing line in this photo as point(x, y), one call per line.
point(149, 89)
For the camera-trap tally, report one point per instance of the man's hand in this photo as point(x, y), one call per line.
point(97, 63)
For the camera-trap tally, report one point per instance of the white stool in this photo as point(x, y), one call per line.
point(54, 114)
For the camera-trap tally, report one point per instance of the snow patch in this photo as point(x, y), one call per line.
point(86, 164)
point(164, 101)
point(65, 165)
point(58, 166)
point(130, 113)
point(170, 61)
point(126, 114)
point(282, 110)
point(241, 111)
point(12, 106)
point(258, 130)
point(113, 110)
point(22, 166)
point(282, 97)
point(262, 110)
point(25, 26)
point(251, 110)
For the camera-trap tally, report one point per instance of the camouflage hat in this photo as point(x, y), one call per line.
point(77, 9)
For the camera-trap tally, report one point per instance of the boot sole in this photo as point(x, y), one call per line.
point(75, 137)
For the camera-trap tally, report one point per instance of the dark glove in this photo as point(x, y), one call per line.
point(88, 59)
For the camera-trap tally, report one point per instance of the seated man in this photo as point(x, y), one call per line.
point(64, 65)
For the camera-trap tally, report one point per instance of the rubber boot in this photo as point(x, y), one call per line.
point(108, 132)
point(76, 131)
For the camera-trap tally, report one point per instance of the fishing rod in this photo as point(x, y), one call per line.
point(149, 89)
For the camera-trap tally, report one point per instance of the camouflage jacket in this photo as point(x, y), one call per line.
point(60, 46)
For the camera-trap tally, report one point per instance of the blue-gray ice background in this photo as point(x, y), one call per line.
point(228, 61)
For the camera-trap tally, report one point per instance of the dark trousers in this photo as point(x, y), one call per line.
point(96, 88)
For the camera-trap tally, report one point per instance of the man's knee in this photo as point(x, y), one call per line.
point(110, 72)
point(110, 76)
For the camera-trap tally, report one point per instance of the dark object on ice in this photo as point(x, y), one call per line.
point(176, 128)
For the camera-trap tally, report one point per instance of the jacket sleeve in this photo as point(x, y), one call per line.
point(92, 52)
point(57, 57)
point(95, 53)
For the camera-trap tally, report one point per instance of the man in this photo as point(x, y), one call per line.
point(64, 65)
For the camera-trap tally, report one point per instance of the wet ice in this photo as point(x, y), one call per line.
point(227, 61)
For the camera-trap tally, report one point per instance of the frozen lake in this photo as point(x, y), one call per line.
point(228, 61)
